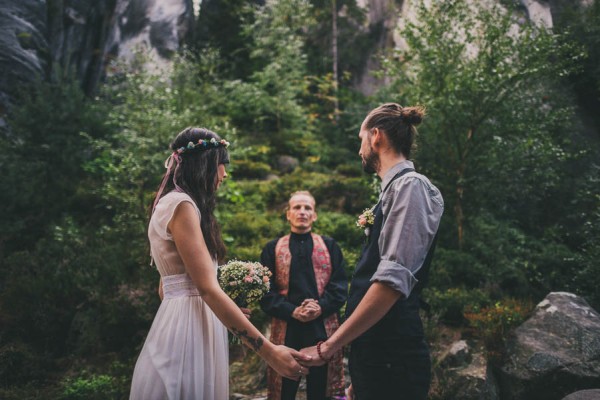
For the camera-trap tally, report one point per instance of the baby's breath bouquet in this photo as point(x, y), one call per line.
point(244, 281)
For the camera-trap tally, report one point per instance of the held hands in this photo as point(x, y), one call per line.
point(307, 311)
point(286, 362)
point(317, 358)
point(312, 352)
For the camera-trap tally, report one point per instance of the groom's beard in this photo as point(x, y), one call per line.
point(370, 163)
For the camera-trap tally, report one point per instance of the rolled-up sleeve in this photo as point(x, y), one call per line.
point(412, 209)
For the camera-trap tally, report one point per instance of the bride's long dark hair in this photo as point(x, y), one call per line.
point(197, 176)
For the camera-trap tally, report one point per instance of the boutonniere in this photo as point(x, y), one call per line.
point(366, 220)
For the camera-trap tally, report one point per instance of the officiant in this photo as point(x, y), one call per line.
point(308, 288)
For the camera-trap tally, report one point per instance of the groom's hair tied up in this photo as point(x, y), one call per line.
point(398, 123)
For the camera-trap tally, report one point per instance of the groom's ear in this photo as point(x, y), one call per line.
point(376, 137)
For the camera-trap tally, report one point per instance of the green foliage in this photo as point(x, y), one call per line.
point(584, 232)
point(248, 224)
point(247, 231)
point(347, 194)
point(93, 387)
point(493, 323)
point(353, 39)
point(451, 304)
point(501, 142)
point(342, 227)
point(219, 25)
point(19, 364)
point(269, 105)
point(251, 169)
point(520, 182)
point(45, 153)
point(581, 24)
point(487, 83)
point(30, 391)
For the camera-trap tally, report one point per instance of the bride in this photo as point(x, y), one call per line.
point(185, 355)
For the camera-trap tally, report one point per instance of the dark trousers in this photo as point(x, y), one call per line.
point(316, 385)
point(399, 370)
point(298, 337)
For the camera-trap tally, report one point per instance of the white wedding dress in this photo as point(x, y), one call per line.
point(185, 356)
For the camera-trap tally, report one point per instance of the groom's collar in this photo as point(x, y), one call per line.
point(389, 175)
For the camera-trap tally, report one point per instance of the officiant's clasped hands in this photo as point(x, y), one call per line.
point(309, 310)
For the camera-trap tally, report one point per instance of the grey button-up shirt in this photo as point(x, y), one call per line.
point(412, 208)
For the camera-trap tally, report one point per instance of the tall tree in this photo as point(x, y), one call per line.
point(334, 55)
point(269, 103)
point(486, 76)
point(219, 26)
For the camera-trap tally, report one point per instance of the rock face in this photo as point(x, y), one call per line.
point(553, 353)
point(53, 38)
point(156, 27)
point(22, 44)
point(592, 394)
point(384, 17)
point(458, 355)
point(476, 381)
point(466, 374)
point(48, 40)
point(287, 164)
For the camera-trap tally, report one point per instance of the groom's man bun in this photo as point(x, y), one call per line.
point(398, 123)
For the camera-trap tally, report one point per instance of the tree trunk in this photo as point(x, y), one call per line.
point(460, 189)
point(458, 212)
point(334, 52)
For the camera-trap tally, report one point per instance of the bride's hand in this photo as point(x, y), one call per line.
point(286, 362)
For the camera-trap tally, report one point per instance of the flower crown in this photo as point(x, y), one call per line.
point(203, 144)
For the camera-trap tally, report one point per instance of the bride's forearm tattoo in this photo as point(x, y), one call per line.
point(255, 343)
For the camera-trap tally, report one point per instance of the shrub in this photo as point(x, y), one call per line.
point(251, 169)
point(19, 364)
point(451, 304)
point(95, 387)
point(342, 228)
point(492, 323)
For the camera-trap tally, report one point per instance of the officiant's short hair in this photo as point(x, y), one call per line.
point(301, 193)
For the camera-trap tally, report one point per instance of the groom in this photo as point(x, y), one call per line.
point(389, 358)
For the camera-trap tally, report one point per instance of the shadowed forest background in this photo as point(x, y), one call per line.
point(511, 138)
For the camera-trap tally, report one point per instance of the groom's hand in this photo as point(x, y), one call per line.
point(315, 361)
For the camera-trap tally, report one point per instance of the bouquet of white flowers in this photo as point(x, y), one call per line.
point(244, 281)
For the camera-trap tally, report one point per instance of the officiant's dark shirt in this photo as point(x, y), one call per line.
point(302, 283)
